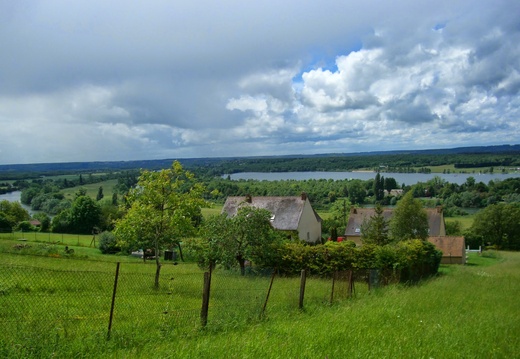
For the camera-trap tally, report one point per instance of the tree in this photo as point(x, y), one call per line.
point(379, 187)
point(498, 225)
point(375, 229)
point(85, 214)
point(163, 208)
point(13, 213)
point(231, 241)
point(100, 194)
point(409, 220)
point(356, 192)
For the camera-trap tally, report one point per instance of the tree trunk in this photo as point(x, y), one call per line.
point(180, 251)
point(158, 263)
point(242, 263)
point(157, 271)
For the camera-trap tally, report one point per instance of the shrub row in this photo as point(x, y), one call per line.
point(410, 260)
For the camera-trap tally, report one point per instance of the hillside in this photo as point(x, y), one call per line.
point(464, 157)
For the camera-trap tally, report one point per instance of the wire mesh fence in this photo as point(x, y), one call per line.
point(41, 302)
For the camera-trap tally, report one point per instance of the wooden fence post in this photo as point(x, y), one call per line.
point(268, 293)
point(332, 290)
point(350, 288)
point(113, 301)
point(205, 299)
point(303, 277)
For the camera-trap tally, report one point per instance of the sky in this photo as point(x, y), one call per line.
point(125, 80)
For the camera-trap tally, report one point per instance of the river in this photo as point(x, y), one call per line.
point(401, 178)
point(15, 197)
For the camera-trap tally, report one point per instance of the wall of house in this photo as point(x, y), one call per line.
point(309, 228)
point(452, 260)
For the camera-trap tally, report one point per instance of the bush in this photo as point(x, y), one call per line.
point(108, 243)
point(410, 260)
point(25, 226)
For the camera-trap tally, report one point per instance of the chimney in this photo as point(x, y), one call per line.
point(304, 196)
point(249, 199)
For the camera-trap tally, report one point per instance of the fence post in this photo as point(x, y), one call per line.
point(373, 279)
point(113, 301)
point(303, 277)
point(332, 290)
point(205, 299)
point(350, 288)
point(268, 293)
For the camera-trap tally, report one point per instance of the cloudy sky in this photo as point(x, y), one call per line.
point(126, 79)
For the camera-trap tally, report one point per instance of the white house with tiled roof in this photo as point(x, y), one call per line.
point(293, 213)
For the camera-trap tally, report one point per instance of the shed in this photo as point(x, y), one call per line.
point(453, 248)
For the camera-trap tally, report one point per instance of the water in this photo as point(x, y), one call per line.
point(401, 178)
point(11, 196)
point(15, 197)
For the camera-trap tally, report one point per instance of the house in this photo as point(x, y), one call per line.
point(35, 223)
point(288, 214)
point(436, 223)
point(394, 192)
point(453, 248)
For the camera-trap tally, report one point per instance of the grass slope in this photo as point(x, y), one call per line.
point(466, 312)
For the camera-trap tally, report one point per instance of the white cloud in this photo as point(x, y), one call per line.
point(116, 80)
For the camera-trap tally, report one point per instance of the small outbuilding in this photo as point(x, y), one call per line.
point(453, 248)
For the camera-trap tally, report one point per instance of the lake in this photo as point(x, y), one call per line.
point(401, 178)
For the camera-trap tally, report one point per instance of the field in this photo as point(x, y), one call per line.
point(92, 189)
point(466, 312)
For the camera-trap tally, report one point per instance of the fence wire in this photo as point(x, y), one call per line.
point(40, 302)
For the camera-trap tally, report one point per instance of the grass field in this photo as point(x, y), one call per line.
point(92, 189)
point(466, 312)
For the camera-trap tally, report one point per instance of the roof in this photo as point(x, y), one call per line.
point(450, 246)
point(358, 215)
point(434, 220)
point(286, 211)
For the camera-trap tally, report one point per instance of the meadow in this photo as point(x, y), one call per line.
point(466, 311)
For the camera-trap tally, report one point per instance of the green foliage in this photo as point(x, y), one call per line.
point(453, 228)
point(11, 214)
point(409, 220)
point(411, 260)
point(25, 226)
point(100, 194)
point(162, 209)
point(375, 229)
point(356, 192)
point(497, 225)
point(108, 243)
point(231, 241)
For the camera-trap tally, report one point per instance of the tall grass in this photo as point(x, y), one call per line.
point(466, 312)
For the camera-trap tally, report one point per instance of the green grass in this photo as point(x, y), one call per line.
point(466, 312)
point(465, 221)
point(92, 189)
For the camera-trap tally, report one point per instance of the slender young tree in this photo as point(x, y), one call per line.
point(163, 208)
point(375, 229)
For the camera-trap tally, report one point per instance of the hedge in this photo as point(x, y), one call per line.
point(410, 260)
